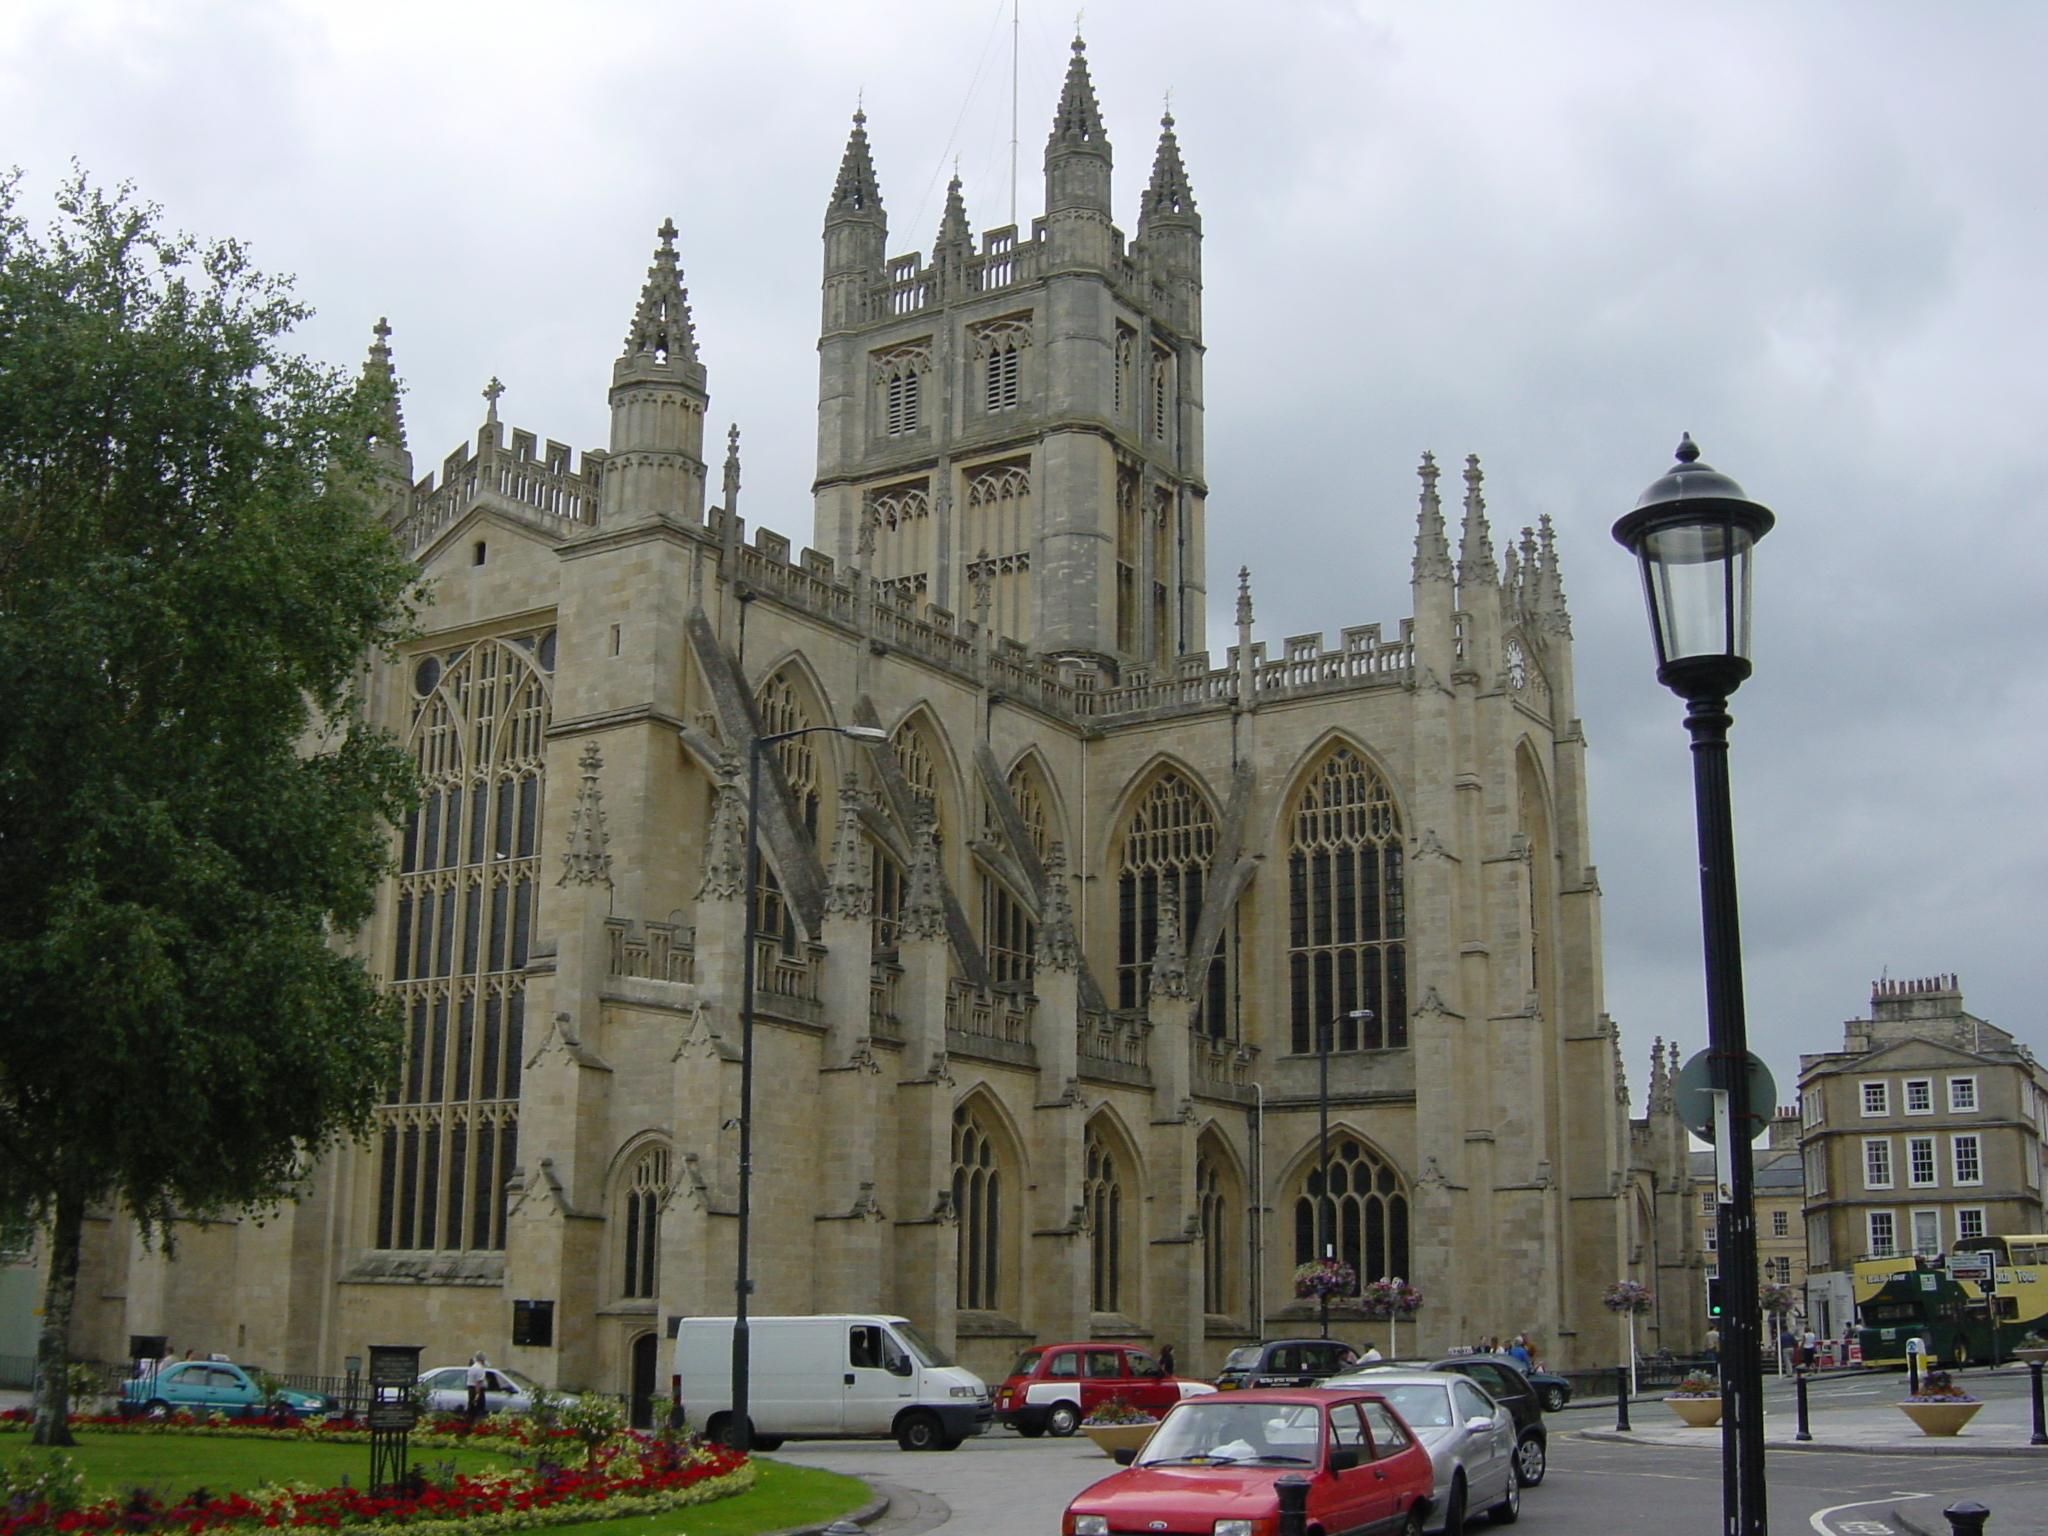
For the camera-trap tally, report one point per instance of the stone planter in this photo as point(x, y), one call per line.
point(2031, 1356)
point(1940, 1418)
point(1111, 1438)
point(1699, 1412)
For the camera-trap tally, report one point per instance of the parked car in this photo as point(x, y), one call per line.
point(1506, 1385)
point(1052, 1387)
point(212, 1386)
point(1552, 1391)
point(1212, 1464)
point(1470, 1439)
point(445, 1389)
point(1286, 1363)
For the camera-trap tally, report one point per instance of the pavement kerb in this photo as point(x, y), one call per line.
point(1932, 1448)
point(866, 1515)
point(1911, 1526)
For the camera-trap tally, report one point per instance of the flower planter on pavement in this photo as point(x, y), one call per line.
point(1940, 1418)
point(1111, 1438)
point(1699, 1412)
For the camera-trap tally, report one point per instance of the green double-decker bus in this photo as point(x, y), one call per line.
point(1958, 1321)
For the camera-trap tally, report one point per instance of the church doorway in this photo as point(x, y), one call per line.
point(640, 1396)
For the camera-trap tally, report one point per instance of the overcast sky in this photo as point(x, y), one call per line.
point(1556, 235)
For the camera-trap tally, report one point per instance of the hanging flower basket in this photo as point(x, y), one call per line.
point(1629, 1297)
point(1390, 1298)
point(1780, 1298)
point(1320, 1278)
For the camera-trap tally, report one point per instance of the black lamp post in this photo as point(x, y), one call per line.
point(1326, 1204)
point(1693, 531)
point(739, 1432)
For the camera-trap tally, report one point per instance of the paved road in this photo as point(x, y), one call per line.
point(1000, 1485)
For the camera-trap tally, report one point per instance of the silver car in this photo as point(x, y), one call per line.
point(1470, 1439)
point(446, 1390)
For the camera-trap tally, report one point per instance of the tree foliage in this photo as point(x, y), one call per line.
point(192, 809)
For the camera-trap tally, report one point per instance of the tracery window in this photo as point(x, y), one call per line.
point(1008, 934)
point(1215, 1234)
point(1102, 1196)
point(1162, 391)
point(887, 918)
point(646, 1193)
point(1126, 349)
point(999, 348)
point(905, 539)
point(781, 706)
point(1169, 841)
point(1030, 803)
point(978, 1207)
point(1346, 916)
point(1127, 537)
point(463, 921)
point(1366, 1220)
point(915, 762)
point(997, 537)
point(899, 381)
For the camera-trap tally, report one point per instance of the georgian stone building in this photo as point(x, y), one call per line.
point(1037, 980)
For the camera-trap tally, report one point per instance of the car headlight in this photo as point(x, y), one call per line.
point(1233, 1528)
point(966, 1392)
point(1091, 1525)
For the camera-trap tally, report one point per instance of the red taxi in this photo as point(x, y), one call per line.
point(1053, 1387)
point(1214, 1465)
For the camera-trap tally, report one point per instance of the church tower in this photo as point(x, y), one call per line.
point(1023, 419)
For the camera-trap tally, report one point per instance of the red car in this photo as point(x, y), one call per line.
point(1053, 1387)
point(1213, 1466)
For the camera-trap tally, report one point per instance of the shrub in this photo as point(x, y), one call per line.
point(1119, 1410)
point(1939, 1387)
point(1698, 1384)
point(52, 1482)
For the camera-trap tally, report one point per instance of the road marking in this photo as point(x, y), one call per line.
point(1818, 1519)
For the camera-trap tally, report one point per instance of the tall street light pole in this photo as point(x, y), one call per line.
point(1692, 531)
point(740, 1429)
point(1326, 1204)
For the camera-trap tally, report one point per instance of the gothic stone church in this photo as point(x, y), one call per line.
point(1038, 979)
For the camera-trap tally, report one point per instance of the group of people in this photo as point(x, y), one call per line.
point(1518, 1350)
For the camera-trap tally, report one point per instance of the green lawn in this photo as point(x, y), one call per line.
point(173, 1465)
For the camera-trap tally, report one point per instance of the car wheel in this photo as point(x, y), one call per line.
point(1030, 1431)
point(1531, 1461)
point(919, 1431)
point(1509, 1509)
point(157, 1408)
point(1454, 1508)
point(768, 1442)
point(1062, 1421)
point(1412, 1526)
point(1553, 1399)
point(1959, 1355)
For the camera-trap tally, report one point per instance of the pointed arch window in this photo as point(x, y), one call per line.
point(781, 707)
point(1030, 802)
point(1102, 1196)
point(1008, 934)
point(887, 918)
point(978, 1206)
point(1126, 350)
point(899, 384)
point(998, 534)
point(1366, 1220)
point(1346, 909)
point(646, 1191)
point(1162, 392)
point(462, 915)
point(905, 535)
point(1170, 841)
point(914, 760)
point(999, 349)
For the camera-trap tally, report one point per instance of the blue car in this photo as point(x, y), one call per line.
point(210, 1386)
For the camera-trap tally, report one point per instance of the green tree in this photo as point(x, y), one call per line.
point(193, 813)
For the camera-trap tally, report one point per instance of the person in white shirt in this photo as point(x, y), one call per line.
point(475, 1379)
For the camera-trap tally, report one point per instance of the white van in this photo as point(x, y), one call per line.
point(844, 1377)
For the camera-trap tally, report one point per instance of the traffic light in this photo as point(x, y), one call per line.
point(1713, 1295)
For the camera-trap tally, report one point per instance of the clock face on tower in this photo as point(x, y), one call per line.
point(1518, 666)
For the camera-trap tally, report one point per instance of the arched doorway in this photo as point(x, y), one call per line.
point(646, 1366)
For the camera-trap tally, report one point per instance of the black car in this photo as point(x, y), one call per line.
point(1506, 1385)
point(1286, 1363)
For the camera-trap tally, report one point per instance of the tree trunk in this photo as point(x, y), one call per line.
point(53, 1347)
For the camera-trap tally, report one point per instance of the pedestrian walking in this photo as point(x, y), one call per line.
point(1166, 1366)
point(1713, 1346)
point(476, 1379)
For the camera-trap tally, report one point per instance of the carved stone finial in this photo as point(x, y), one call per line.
point(850, 884)
point(1475, 540)
point(1432, 544)
point(586, 862)
point(491, 392)
point(924, 899)
point(731, 489)
point(1057, 949)
point(1244, 597)
point(725, 843)
point(1169, 958)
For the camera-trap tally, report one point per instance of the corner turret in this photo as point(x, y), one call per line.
point(856, 232)
point(656, 464)
point(1077, 173)
point(1169, 238)
point(386, 439)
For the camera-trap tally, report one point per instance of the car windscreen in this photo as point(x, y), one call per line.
point(1425, 1405)
point(923, 1349)
point(1242, 1358)
point(1023, 1363)
point(1226, 1428)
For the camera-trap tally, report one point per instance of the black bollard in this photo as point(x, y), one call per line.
point(1621, 1423)
point(1293, 1491)
point(1966, 1518)
point(1912, 1373)
point(2040, 1427)
point(1799, 1386)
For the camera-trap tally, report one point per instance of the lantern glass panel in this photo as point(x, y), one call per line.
point(1697, 579)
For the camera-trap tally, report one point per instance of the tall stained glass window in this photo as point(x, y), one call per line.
point(1347, 921)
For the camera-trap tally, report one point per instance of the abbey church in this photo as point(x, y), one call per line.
point(1039, 966)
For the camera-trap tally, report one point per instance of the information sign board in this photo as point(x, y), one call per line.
point(394, 1365)
point(393, 1415)
point(1968, 1266)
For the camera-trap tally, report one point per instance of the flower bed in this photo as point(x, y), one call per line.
point(632, 1475)
point(506, 1434)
